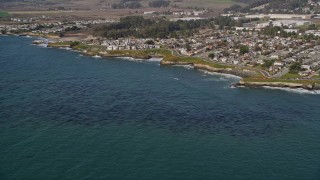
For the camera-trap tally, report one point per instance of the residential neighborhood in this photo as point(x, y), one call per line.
point(248, 45)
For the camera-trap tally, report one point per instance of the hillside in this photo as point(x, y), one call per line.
point(92, 4)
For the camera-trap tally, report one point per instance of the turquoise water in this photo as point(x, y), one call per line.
point(66, 116)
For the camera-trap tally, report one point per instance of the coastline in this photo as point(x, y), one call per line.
point(168, 59)
point(231, 71)
point(291, 85)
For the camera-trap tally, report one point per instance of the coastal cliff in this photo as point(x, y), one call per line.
point(245, 74)
point(237, 72)
point(250, 78)
point(137, 55)
point(164, 62)
point(313, 86)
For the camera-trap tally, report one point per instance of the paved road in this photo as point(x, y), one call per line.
point(281, 73)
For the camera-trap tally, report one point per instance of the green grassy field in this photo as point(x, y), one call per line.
point(4, 14)
point(265, 79)
point(215, 4)
point(290, 76)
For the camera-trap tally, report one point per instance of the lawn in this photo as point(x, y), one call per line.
point(214, 4)
point(264, 79)
point(4, 14)
point(290, 76)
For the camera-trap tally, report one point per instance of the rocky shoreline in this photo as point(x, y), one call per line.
point(244, 74)
point(311, 87)
point(237, 72)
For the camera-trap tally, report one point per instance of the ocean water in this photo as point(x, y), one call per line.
point(67, 116)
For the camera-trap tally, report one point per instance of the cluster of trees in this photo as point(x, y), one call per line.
point(224, 21)
point(287, 4)
point(149, 42)
point(278, 31)
point(268, 63)
point(244, 49)
point(295, 67)
point(130, 4)
point(273, 31)
point(211, 55)
point(135, 4)
point(159, 3)
point(272, 4)
point(137, 26)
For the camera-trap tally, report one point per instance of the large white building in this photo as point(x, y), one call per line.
point(288, 23)
point(279, 16)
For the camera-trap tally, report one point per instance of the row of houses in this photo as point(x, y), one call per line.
point(52, 27)
point(225, 47)
point(125, 43)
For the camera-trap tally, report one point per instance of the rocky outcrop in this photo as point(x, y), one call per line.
point(314, 86)
point(163, 62)
point(58, 45)
point(37, 42)
point(135, 56)
point(237, 72)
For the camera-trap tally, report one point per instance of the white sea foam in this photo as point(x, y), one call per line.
point(184, 66)
point(221, 74)
point(215, 79)
point(155, 59)
point(66, 48)
point(130, 58)
point(96, 56)
point(298, 90)
point(176, 79)
point(43, 45)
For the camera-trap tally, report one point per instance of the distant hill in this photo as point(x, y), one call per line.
point(216, 4)
point(264, 6)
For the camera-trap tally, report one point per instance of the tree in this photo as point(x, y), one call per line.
point(295, 67)
point(188, 46)
point(267, 63)
point(149, 42)
point(137, 26)
point(3, 31)
point(224, 21)
point(244, 49)
point(312, 27)
point(211, 55)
